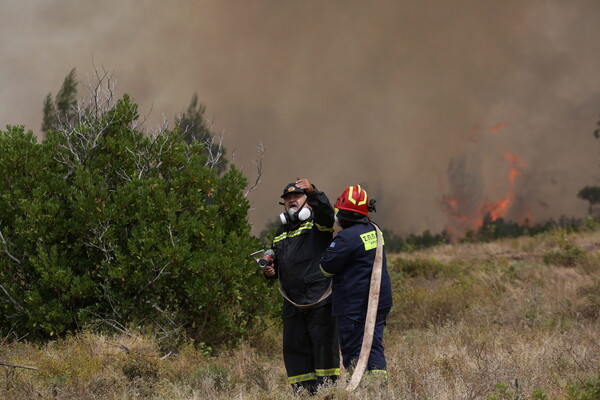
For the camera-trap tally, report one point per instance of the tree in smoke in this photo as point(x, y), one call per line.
point(61, 110)
point(597, 131)
point(196, 127)
point(591, 194)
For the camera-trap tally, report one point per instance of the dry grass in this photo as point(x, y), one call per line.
point(469, 321)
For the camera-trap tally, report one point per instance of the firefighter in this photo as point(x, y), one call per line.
point(349, 262)
point(310, 343)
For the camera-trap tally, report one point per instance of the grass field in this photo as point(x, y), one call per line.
point(517, 318)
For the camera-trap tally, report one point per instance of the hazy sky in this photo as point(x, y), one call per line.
point(389, 94)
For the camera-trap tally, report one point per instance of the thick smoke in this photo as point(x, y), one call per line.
point(382, 93)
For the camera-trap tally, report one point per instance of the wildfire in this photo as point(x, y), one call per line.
point(465, 203)
point(499, 209)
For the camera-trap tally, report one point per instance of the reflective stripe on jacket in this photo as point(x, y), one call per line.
point(298, 250)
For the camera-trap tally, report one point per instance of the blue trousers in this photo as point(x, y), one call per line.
point(351, 330)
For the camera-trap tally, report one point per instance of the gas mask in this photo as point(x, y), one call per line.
point(293, 216)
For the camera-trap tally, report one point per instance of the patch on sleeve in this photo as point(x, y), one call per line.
point(332, 245)
point(369, 239)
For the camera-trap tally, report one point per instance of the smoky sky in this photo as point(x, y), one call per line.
point(386, 94)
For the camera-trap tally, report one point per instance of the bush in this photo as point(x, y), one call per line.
point(138, 367)
point(425, 268)
point(100, 222)
point(429, 292)
point(589, 390)
point(568, 255)
point(504, 392)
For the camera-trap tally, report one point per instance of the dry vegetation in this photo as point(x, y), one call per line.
point(470, 322)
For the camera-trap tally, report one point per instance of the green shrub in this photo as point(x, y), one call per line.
point(139, 367)
point(425, 268)
point(588, 305)
point(568, 254)
point(505, 392)
point(589, 390)
point(101, 222)
point(212, 374)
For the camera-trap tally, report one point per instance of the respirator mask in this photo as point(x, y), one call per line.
point(293, 216)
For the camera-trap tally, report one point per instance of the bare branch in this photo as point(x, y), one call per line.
point(110, 302)
point(175, 329)
point(5, 364)
point(83, 134)
point(260, 149)
point(15, 259)
point(160, 129)
point(123, 174)
point(213, 150)
point(141, 123)
point(113, 324)
point(155, 278)
point(20, 307)
point(171, 235)
point(120, 346)
point(98, 241)
point(149, 155)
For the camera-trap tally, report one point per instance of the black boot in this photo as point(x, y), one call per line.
point(310, 387)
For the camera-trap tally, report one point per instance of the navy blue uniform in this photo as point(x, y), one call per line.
point(310, 341)
point(349, 261)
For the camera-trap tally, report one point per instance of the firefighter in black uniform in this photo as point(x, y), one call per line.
point(310, 342)
point(349, 262)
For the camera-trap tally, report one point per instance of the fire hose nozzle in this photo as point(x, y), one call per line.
point(266, 259)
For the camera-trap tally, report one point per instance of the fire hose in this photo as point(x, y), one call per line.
point(374, 290)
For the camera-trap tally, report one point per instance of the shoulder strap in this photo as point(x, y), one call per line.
point(323, 297)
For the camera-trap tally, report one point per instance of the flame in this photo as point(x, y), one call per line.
point(464, 215)
point(515, 164)
point(496, 129)
point(498, 209)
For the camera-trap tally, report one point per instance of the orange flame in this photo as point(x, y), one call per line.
point(515, 163)
point(500, 208)
point(496, 129)
point(462, 218)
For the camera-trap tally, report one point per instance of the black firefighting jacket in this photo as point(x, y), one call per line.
point(298, 250)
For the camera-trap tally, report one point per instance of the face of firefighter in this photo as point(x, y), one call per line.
point(294, 201)
point(296, 209)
